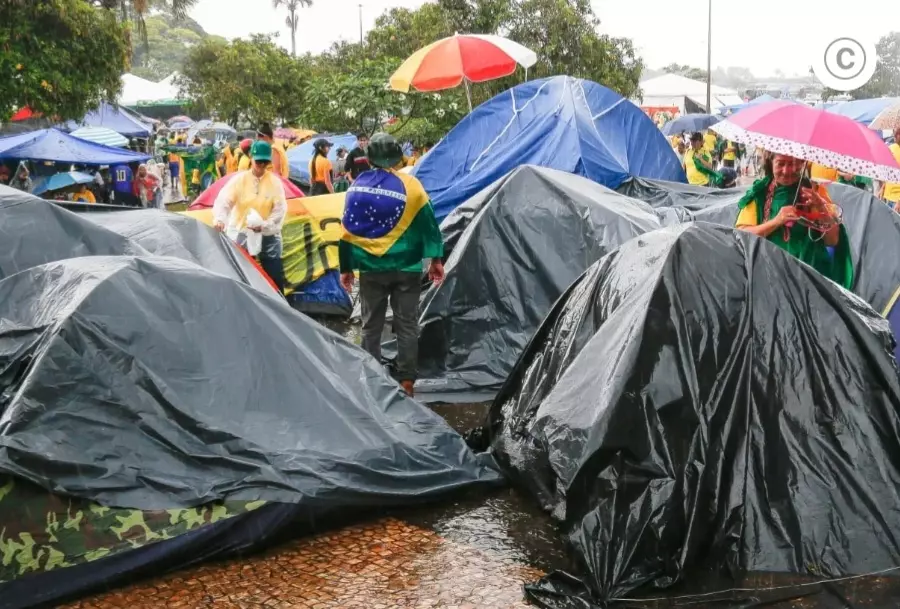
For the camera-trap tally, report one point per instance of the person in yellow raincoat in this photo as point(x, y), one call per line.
point(260, 190)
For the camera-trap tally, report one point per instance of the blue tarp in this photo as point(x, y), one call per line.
point(863, 110)
point(562, 123)
point(728, 110)
point(299, 157)
point(116, 119)
point(56, 146)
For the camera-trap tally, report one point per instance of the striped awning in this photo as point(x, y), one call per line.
point(101, 135)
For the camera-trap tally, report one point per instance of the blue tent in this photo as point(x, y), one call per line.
point(562, 123)
point(113, 118)
point(728, 110)
point(299, 157)
point(863, 110)
point(59, 147)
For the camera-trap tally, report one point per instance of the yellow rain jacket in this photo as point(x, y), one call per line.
point(245, 192)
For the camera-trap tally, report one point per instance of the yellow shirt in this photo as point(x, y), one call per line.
point(321, 171)
point(822, 173)
point(730, 152)
point(694, 175)
point(892, 189)
point(244, 162)
point(709, 142)
point(85, 196)
point(280, 163)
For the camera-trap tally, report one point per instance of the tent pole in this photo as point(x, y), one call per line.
point(468, 94)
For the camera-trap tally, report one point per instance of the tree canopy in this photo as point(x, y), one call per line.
point(346, 87)
point(245, 80)
point(169, 42)
point(886, 81)
point(60, 57)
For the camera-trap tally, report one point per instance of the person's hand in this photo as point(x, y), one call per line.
point(788, 213)
point(347, 280)
point(436, 272)
point(814, 201)
point(219, 226)
point(256, 229)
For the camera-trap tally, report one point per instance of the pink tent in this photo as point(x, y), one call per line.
point(208, 196)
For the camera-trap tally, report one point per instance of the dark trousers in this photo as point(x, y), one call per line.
point(269, 257)
point(318, 188)
point(402, 290)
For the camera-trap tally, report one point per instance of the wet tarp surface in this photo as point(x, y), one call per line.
point(561, 122)
point(35, 231)
point(873, 228)
point(167, 234)
point(702, 404)
point(60, 147)
point(114, 118)
point(162, 385)
point(531, 234)
point(476, 324)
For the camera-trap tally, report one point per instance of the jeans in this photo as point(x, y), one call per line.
point(402, 289)
point(269, 257)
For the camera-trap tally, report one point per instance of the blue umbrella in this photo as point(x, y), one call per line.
point(863, 110)
point(690, 123)
point(61, 180)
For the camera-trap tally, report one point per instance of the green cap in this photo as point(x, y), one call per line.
point(261, 151)
point(384, 151)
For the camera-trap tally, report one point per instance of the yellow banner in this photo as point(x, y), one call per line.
point(311, 233)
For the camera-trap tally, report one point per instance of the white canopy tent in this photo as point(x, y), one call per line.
point(137, 90)
point(678, 91)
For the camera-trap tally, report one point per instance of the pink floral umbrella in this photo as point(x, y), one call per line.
point(813, 135)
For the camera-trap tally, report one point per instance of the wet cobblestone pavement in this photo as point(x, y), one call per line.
point(468, 552)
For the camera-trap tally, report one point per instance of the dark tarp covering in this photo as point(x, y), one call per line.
point(533, 233)
point(874, 229)
point(475, 325)
point(161, 385)
point(35, 231)
point(701, 403)
point(167, 234)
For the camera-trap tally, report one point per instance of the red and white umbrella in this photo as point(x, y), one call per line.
point(463, 58)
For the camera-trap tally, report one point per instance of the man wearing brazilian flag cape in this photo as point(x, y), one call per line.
point(389, 229)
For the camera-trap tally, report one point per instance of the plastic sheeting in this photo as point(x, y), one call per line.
point(59, 147)
point(562, 123)
point(873, 228)
point(702, 403)
point(533, 233)
point(505, 240)
point(162, 385)
point(166, 234)
point(115, 119)
point(35, 231)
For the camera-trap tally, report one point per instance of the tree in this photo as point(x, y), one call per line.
point(563, 32)
point(292, 18)
point(686, 71)
point(169, 42)
point(886, 80)
point(59, 57)
point(136, 11)
point(245, 80)
point(357, 97)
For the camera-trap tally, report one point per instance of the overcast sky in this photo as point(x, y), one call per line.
point(745, 32)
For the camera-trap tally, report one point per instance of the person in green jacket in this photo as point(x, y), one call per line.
point(389, 229)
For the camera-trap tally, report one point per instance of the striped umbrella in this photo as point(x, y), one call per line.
point(101, 135)
point(460, 59)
